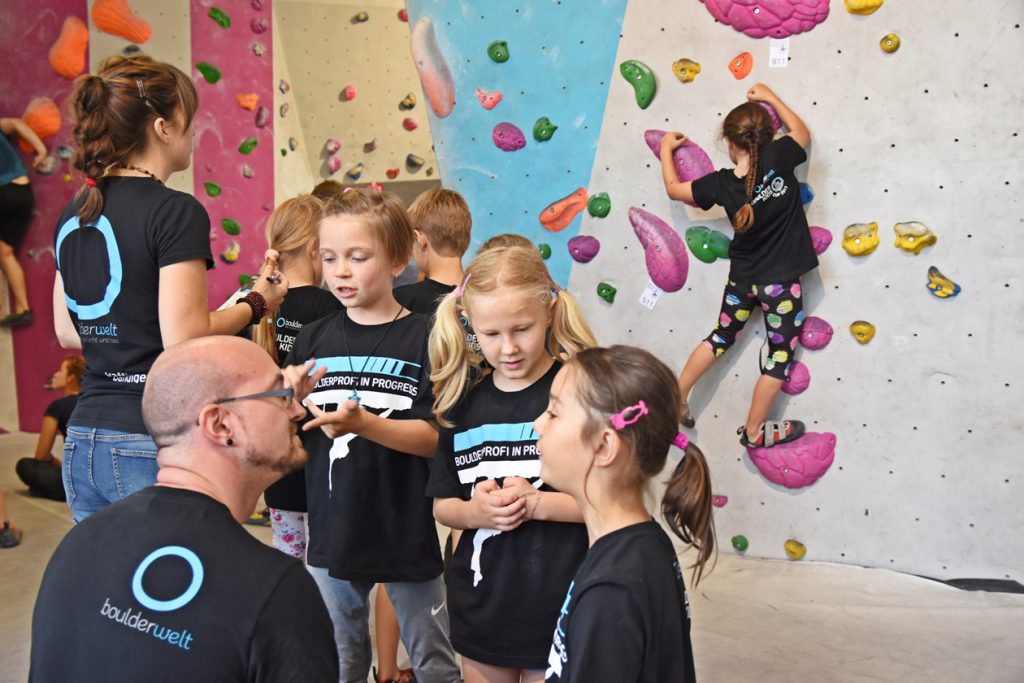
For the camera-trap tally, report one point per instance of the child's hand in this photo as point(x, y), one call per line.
point(760, 92)
point(672, 141)
point(349, 418)
point(298, 377)
point(517, 485)
point(271, 283)
point(496, 508)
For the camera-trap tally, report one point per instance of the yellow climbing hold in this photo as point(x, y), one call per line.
point(890, 42)
point(862, 331)
point(860, 239)
point(863, 6)
point(913, 236)
point(795, 549)
point(685, 69)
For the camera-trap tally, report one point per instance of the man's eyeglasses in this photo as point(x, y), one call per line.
point(287, 393)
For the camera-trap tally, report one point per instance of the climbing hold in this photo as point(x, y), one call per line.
point(860, 239)
point(543, 129)
point(392, 173)
point(262, 116)
point(48, 165)
point(498, 51)
point(821, 238)
point(890, 42)
point(430, 171)
point(247, 171)
point(370, 146)
point(795, 549)
point(667, 261)
point(43, 117)
point(355, 172)
point(815, 333)
point(508, 137)
point(758, 18)
point(249, 144)
point(408, 102)
point(212, 188)
point(117, 18)
point(67, 55)
point(776, 121)
point(360, 18)
point(293, 144)
point(244, 280)
point(583, 248)
point(332, 146)
point(690, 160)
point(210, 73)
point(413, 162)
point(706, 244)
point(719, 501)
point(796, 463)
point(740, 543)
point(488, 98)
point(862, 331)
point(259, 25)
point(798, 380)
point(913, 236)
point(642, 79)
point(403, 15)
point(348, 93)
point(806, 194)
point(258, 49)
point(685, 69)
point(545, 250)
point(559, 214)
point(284, 152)
point(66, 177)
point(741, 64)
point(409, 124)
point(230, 255)
point(284, 109)
point(333, 164)
point(862, 6)
point(247, 101)
point(64, 151)
point(940, 285)
point(433, 71)
point(130, 49)
point(220, 16)
point(606, 292)
point(283, 86)
point(230, 226)
point(599, 205)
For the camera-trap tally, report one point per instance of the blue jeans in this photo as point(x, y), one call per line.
point(102, 466)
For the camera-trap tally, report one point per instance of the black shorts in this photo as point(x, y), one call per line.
point(15, 213)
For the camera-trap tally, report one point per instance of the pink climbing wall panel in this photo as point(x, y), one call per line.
point(29, 31)
point(242, 54)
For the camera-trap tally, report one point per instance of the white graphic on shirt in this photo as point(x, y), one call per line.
point(558, 656)
point(482, 535)
point(770, 187)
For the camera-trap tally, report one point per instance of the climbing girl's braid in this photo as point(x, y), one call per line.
point(749, 128)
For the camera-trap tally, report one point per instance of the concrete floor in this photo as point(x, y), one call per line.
point(754, 620)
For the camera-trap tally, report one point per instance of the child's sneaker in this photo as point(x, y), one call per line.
point(772, 433)
point(9, 536)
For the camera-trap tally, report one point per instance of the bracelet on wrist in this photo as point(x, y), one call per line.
point(257, 303)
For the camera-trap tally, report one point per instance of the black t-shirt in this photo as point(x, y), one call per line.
point(368, 517)
point(302, 306)
point(166, 586)
point(626, 616)
point(423, 296)
point(61, 410)
point(777, 247)
point(111, 274)
point(504, 587)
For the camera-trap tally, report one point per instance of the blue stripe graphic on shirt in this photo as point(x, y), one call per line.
point(377, 365)
point(506, 432)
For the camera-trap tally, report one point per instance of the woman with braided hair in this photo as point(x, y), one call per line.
point(771, 250)
point(132, 256)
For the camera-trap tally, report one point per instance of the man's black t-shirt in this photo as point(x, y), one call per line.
point(423, 296)
point(777, 247)
point(111, 274)
point(166, 586)
point(61, 410)
point(302, 306)
point(626, 616)
point(368, 517)
point(504, 587)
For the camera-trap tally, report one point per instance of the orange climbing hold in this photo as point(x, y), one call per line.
point(741, 65)
point(117, 18)
point(247, 100)
point(558, 215)
point(43, 117)
point(67, 56)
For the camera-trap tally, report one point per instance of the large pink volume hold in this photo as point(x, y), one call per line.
point(797, 463)
point(434, 73)
point(667, 260)
point(691, 160)
point(775, 18)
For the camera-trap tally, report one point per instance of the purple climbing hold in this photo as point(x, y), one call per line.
point(583, 248)
point(797, 463)
point(508, 137)
point(690, 159)
point(776, 121)
point(799, 379)
point(815, 333)
point(259, 25)
point(262, 116)
point(668, 262)
point(821, 238)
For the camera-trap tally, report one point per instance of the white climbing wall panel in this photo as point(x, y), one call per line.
point(928, 475)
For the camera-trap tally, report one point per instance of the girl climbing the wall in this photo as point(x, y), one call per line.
point(522, 542)
point(606, 432)
point(771, 250)
point(132, 256)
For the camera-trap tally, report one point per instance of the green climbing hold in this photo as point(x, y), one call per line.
point(231, 226)
point(248, 145)
point(220, 16)
point(740, 543)
point(543, 129)
point(706, 244)
point(210, 73)
point(606, 292)
point(498, 51)
point(641, 78)
point(244, 280)
point(545, 250)
point(599, 205)
point(284, 152)
point(212, 188)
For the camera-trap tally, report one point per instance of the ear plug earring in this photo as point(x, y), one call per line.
point(230, 442)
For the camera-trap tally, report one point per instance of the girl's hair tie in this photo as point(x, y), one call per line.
point(89, 182)
point(461, 289)
point(681, 441)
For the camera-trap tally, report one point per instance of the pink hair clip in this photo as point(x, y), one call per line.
point(461, 289)
point(620, 420)
point(681, 441)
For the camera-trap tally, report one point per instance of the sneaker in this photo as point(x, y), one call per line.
point(259, 518)
point(772, 434)
point(17, 319)
point(9, 536)
point(686, 418)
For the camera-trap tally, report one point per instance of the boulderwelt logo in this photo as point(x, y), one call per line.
point(138, 620)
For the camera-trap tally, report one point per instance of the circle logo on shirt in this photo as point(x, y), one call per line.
point(113, 289)
point(177, 603)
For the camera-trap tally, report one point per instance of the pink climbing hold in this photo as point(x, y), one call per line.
point(583, 248)
point(409, 124)
point(815, 333)
point(433, 70)
point(799, 379)
point(508, 137)
point(719, 501)
point(821, 238)
point(262, 116)
point(691, 160)
point(332, 146)
point(776, 121)
point(348, 93)
point(774, 18)
point(333, 164)
point(488, 98)
point(797, 463)
point(259, 25)
point(668, 262)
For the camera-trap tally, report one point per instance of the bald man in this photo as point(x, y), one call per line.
point(166, 585)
